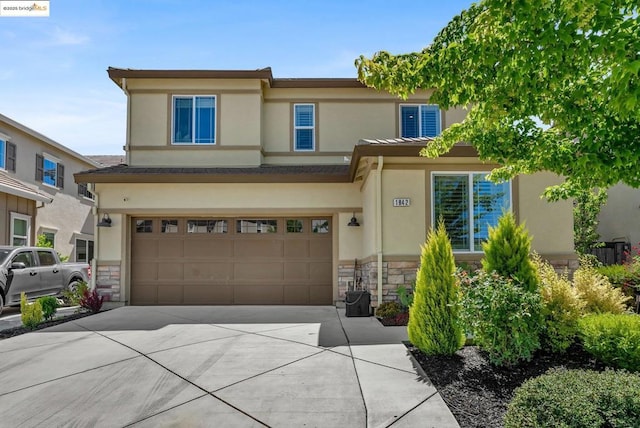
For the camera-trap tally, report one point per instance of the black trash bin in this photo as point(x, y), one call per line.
point(358, 303)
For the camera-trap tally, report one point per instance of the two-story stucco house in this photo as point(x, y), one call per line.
point(38, 195)
point(241, 188)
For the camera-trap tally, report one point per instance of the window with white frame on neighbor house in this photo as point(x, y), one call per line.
point(419, 120)
point(7, 155)
point(194, 119)
point(84, 250)
point(468, 203)
point(49, 171)
point(304, 127)
point(20, 229)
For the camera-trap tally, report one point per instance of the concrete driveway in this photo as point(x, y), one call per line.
point(213, 366)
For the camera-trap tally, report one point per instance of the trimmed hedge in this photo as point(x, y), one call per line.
point(613, 339)
point(576, 398)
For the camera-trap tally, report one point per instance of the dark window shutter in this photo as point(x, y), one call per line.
point(11, 157)
point(39, 168)
point(60, 179)
point(82, 189)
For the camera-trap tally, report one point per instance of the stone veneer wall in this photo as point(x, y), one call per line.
point(108, 282)
point(396, 273)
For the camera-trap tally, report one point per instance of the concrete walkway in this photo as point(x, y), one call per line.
point(213, 366)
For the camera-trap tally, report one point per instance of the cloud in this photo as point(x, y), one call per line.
point(62, 37)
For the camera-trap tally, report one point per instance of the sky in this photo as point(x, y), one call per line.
point(53, 75)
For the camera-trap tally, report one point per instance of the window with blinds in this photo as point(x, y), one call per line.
point(419, 120)
point(194, 120)
point(304, 125)
point(468, 203)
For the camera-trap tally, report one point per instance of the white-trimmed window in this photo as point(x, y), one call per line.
point(20, 229)
point(49, 171)
point(7, 155)
point(50, 237)
point(84, 250)
point(83, 190)
point(468, 203)
point(419, 120)
point(194, 119)
point(304, 127)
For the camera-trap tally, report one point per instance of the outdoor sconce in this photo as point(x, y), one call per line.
point(105, 222)
point(353, 221)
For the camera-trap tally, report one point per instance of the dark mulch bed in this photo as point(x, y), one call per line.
point(478, 392)
point(16, 331)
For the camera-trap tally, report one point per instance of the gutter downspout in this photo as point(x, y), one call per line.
point(379, 224)
point(127, 139)
point(96, 243)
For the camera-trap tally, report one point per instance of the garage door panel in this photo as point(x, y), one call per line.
point(145, 249)
point(296, 271)
point(144, 294)
point(145, 271)
point(258, 247)
point(296, 295)
point(259, 294)
point(171, 248)
point(258, 271)
point(170, 294)
point(320, 248)
point(171, 271)
point(208, 271)
point(201, 248)
point(320, 295)
point(296, 248)
point(320, 270)
point(208, 294)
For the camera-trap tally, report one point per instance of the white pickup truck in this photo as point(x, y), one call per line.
point(38, 272)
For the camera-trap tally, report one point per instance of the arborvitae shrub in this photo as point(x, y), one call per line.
point(30, 313)
point(506, 252)
point(562, 307)
point(434, 325)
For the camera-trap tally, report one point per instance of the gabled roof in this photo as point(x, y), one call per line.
point(46, 140)
point(16, 187)
point(107, 160)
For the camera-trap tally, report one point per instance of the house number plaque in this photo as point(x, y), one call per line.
point(401, 202)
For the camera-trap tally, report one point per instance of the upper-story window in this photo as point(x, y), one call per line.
point(83, 191)
point(419, 120)
point(49, 171)
point(7, 155)
point(304, 127)
point(194, 119)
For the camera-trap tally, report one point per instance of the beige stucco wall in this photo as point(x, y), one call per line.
point(239, 123)
point(620, 217)
point(369, 215)
point(550, 223)
point(342, 125)
point(403, 228)
point(349, 237)
point(194, 157)
point(149, 126)
point(189, 85)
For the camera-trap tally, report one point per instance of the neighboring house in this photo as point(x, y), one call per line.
point(38, 195)
point(241, 188)
point(107, 160)
point(619, 219)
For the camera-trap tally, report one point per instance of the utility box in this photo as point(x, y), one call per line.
point(358, 304)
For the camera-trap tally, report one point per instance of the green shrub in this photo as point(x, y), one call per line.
point(506, 252)
point(406, 295)
point(587, 205)
point(576, 398)
point(74, 295)
point(30, 313)
point(91, 301)
point(625, 277)
point(388, 309)
point(49, 306)
point(434, 324)
point(503, 317)
point(613, 339)
point(561, 307)
point(596, 291)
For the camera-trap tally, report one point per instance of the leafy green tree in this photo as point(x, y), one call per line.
point(586, 208)
point(506, 252)
point(434, 326)
point(551, 85)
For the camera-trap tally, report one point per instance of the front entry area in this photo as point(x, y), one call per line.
point(229, 261)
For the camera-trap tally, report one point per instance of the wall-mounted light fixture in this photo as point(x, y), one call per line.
point(105, 222)
point(353, 221)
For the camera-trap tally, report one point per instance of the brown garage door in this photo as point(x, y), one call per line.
point(199, 261)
